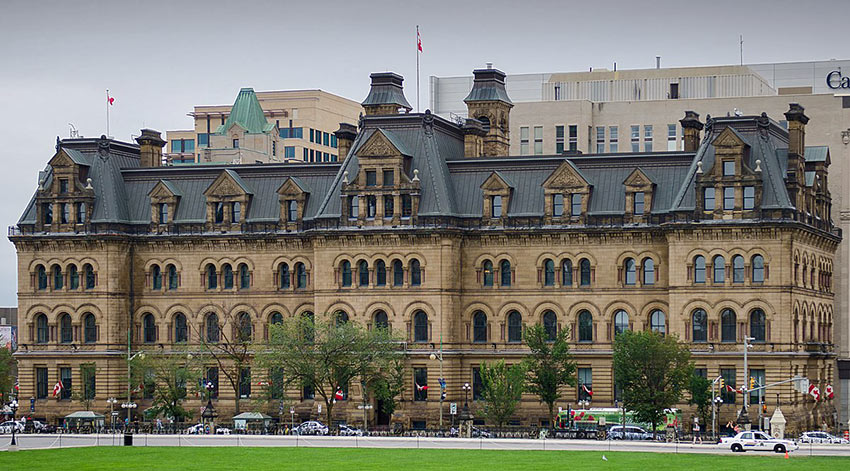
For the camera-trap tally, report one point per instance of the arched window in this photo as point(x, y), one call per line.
point(89, 273)
point(276, 318)
point(41, 329)
point(719, 265)
point(227, 276)
point(42, 277)
point(550, 325)
point(567, 273)
point(341, 317)
point(420, 327)
point(737, 269)
point(300, 276)
point(758, 269)
point(156, 277)
point(585, 327)
point(173, 281)
point(346, 273)
point(621, 322)
point(236, 212)
point(89, 328)
point(73, 277)
point(213, 329)
point(381, 320)
point(363, 273)
point(479, 327)
point(244, 277)
point(548, 272)
point(148, 328)
point(505, 273)
point(246, 327)
point(631, 271)
point(415, 273)
point(648, 271)
point(57, 277)
point(584, 272)
point(699, 269)
point(488, 273)
point(658, 322)
point(283, 274)
point(66, 333)
point(728, 326)
point(514, 327)
point(181, 328)
point(163, 213)
point(398, 273)
point(308, 325)
point(219, 213)
point(757, 325)
point(496, 206)
point(700, 325)
point(380, 273)
point(212, 277)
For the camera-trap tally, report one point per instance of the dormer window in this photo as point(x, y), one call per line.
point(81, 213)
point(389, 206)
point(495, 206)
point(353, 207)
point(235, 143)
point(236, 212)
point(163, 213)
point(219, 213)
point(575, 205)
point(66, 213)
point(728, 168)
point(389, 179)
point(291, 211)
point(749, 197)
point(728, 198)
point(371, 178)
point(406, 206)
point(371, 206)
point(639, 203)
point(557, 205)
point(47, 213)
point(63, 185)
point(708, 198)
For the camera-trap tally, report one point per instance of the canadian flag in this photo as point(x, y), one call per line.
point(829, 392)
point(110, 99)
point(815, 392)
point(418, 40)
point(263, 383)
point(588, 391)
point(57, 389)
point(422, 388)
point(339, 395)
point(731, 389)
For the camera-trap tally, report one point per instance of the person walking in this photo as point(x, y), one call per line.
point(697, 435)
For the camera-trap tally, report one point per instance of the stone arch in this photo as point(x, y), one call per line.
point(58, 310)
point(266, 312)
point(340, 305)
point(614, 306)
point(147, 308)
point(544, 306)
point(417, 256)
point(379, 305)
point(477, 306)
point(302, 308)
point(509, 306)
point(621, 259)
point(543, 256)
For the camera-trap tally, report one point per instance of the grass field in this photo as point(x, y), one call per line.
point(348, 459)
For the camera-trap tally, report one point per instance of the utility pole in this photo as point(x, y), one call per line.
point(744, 416)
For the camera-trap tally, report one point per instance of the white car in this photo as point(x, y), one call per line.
point(757, 441)
point(6, 427)
point(821, 437)
point(195, 429)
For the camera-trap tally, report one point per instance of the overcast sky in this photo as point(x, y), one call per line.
point(159, 58)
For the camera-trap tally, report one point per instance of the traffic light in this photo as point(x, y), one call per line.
point(752, 383)
point(764, 408)
point(722, 383)
point(443, 396)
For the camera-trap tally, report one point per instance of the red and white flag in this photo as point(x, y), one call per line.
point(815, 392)
point(339, 395)
point(110, 99)
point(418, 39)
point(57, 389)
point(829, 392)
point(588, 391)
point(731, 389)
point(263, 383)
point(422, 388)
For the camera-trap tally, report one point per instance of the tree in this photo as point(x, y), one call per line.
point(327, 355)
point(549, 366)
point(700, 389)
point(501, 390)
point(231, 352)
point(85, 394)
point(388, 384)
point(168, 376)
point(653, 371)
point(7, 378)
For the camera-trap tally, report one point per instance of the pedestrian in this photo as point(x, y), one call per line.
point(158, 425)
point(697, 435)
point(736, 429)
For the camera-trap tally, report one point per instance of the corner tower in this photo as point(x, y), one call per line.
point(488, 102)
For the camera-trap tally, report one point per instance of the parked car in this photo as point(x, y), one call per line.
point(6, 427)
point(222, 431)
point(196, 429)
point(311, 427)
point(821, 437)
point(628, 432)
point(347, 431)
point(757, 441)
point(41, 427)
point(476, 432)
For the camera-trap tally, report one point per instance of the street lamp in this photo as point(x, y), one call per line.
point(744, 417)
point(14, 406)
point(209, 414)
point(439, 356)
point(465, 412)
point(141, 356)
point(112, 401)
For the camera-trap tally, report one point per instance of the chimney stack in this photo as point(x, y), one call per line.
point(797, 121)
point(473, 138)
point(150, 148)
point(386, 95)
point(344, 138)
point(488, 102)
point(691, 127)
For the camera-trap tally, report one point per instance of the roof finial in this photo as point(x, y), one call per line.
point(699, 167)
point(415, 175)
point(88, 184)
point(758, 166)
point(345, 177)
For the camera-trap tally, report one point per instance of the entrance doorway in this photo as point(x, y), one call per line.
point(382, 417)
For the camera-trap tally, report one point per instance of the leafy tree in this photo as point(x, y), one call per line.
point(232, 353)
point(86, 392)
point(549, 366)
point(700, 389)
point(7, 374)
point(169, 376)
point(388, 384)
point(653, 371)
point(502, 388)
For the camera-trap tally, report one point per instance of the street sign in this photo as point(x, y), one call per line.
point(320, 408)
point(802, 385)
point(453, 408)
point(367, 406)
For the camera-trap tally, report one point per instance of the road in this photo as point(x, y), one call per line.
point(27, 442)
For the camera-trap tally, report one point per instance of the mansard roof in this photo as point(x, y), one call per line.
point(247, 113)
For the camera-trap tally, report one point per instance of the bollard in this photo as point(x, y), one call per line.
point(128, 439)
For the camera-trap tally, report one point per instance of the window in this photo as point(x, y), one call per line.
point(156, 277)
point(148, 329)
point(73, 277)
point(212, 277)
point(635, 138)
point(47, 213)
point(362, 273)
point(749, 197)
point(550, 325)
point(181, 328)
point(559, 139)
point(758, 376)
point(41, 329)
point(479, 327)
point(648, 271)
point(612, 139)
point(567, 273)
point(307, 392)
point(495, 206)
point(585, 384)
point(488, 273)
point(276, 384)
point(420, 384)
point(538, 139)
point(291, 211)
point(639, 203)
point(89, 328)
point(289, 152)
point(276, 318)
point(728, 326)
point(757, 325)
point(236, 212)
point(728, 168)
point(671, 137)
point(42, 277)
point(353, 207)
point(631, 271)
point(381, 320)
point(341, 317)
point(283, 274)
point(415, 273)
point(406, 206)
point(235, 143)
point(584, 272)
point(213, 331)
point(398, 273)
point(575, 205)
point(41, 383)
point(203, 139)
point(81, 213)
point(389, 178)
point(246, 327)
point(420, 327)
point(573, 129)
point(585, 327)
point(219, 213)
point(58, 280)
point(647, 138)
point(300, 276)
point(389, 206)
point(333, 141)
point(371, 178)
point(621, 322)
point(699, 269)
point(67, 383)
point(514, 327)
point(523, 140)
point(557, 205)
point(737, 269)
point(227, 276)
point(212, 380)
point(245, 383)
point(477, 384)
point(600, 139)
point(728, 198)
point(548, 272)
point(88, 270)
point(728, 375)
point(346, 273)
point(700, 325)
point(718, 264)
point(758, 269)
point(380, 273)
point(63, 185)
point(658, 322)
point(325, 139)
point(66, 333)
point(244, 276)
point(66, 213)
point(505, 273)
point(674, 92)
point(173, 280)
point(163, 213)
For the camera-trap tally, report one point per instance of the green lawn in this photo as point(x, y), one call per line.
point(347, 459)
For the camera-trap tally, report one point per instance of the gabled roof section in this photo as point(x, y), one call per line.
point(383, 143)
point(566, 176)
point(496, 181)
point(247, 113)
point(228, 183)
point(729, 137)
point(65, 156)
point(293, 185)
point(165, 188)
point(638, 178)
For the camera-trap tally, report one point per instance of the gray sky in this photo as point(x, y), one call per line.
point(159, 58)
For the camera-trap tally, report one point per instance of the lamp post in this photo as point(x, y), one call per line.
point(439, 356)
point(744, 417)
point(112, 401)
point(14, 406)
point(140, 355)
point(209, 414)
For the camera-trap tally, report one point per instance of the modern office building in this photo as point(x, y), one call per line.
point(298, 126)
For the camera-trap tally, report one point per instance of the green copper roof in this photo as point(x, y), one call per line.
point(247, 113)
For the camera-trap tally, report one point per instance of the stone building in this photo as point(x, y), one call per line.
point(428, 227)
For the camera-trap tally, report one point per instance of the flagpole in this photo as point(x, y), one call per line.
point(418, 109)
point(107, 113)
